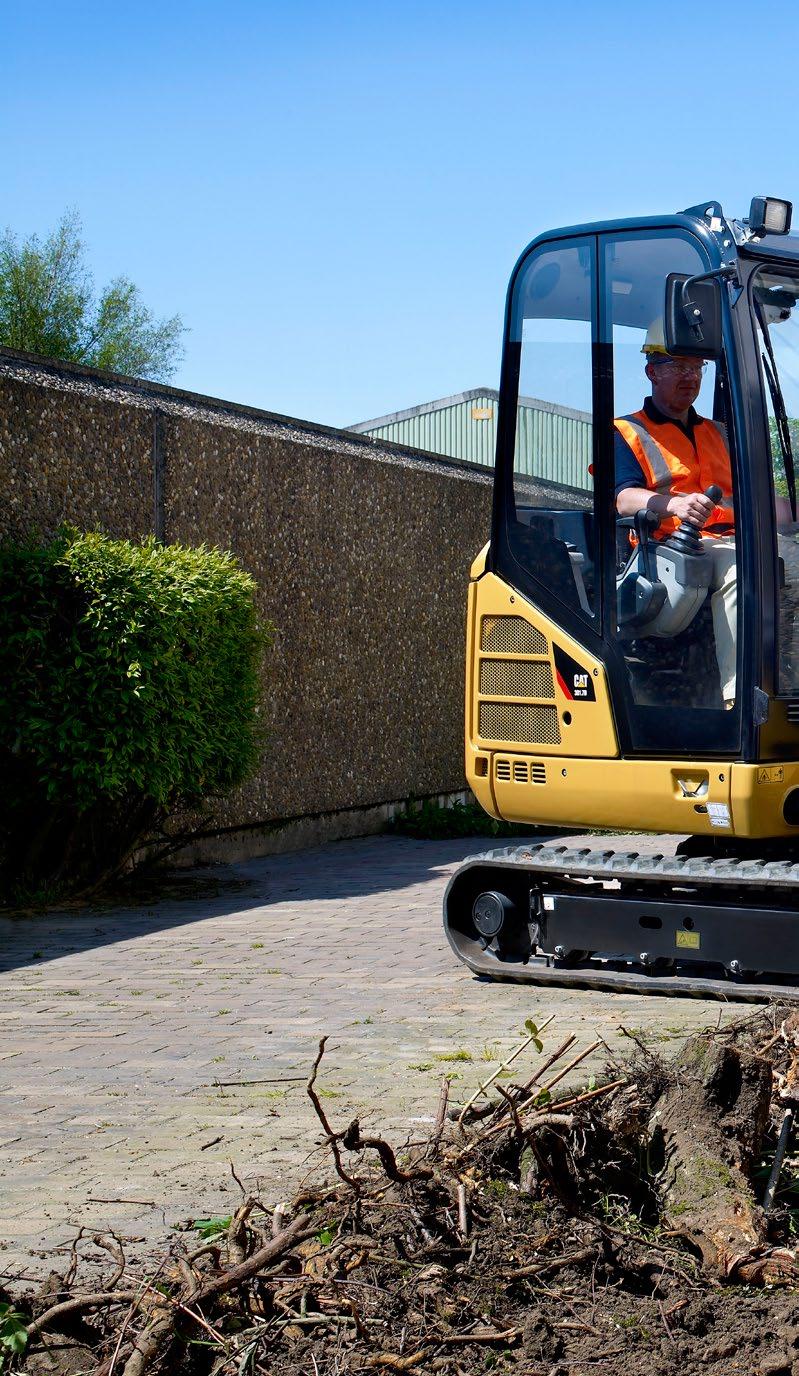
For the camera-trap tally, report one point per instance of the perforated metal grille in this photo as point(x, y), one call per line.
point(511, 635)
point(520, 775)
point(519, 721)
point(538, 773)
point(516, 678)
point(502, 770)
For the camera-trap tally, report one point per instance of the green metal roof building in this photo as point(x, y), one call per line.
point(555, 441)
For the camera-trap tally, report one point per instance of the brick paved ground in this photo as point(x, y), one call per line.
point(120, 1028)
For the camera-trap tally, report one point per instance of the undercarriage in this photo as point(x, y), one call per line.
point(703, 924)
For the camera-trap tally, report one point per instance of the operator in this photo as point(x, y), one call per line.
point(666, 456)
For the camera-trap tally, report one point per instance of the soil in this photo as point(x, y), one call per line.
point(535, 1238)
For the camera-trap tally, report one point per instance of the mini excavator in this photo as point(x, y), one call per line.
point(593, 691)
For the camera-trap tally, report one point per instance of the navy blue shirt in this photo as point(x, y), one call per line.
point(629, 472)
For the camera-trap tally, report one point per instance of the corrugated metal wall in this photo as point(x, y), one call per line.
point(463, 429)
point(552, 442)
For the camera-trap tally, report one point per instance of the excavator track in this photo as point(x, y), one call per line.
point(637, 923)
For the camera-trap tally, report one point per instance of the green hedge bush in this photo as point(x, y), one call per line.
point(129, 686)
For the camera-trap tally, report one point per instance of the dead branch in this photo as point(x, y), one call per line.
point(353, 1141)
point(441, 1116)
point(331, 1136)
point(79, 1304)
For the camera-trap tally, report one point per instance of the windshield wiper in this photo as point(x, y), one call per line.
point(780, 413)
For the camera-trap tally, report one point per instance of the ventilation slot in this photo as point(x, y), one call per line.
point(538, 773)
point(518, 721)
point(511, 635)
point(520, 771)
point(516, 678)
point(793, 710)
point(502, 769)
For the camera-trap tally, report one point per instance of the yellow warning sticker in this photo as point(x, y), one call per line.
point(689, 941)
point(775, 774)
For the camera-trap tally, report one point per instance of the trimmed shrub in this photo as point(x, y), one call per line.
point(129, 686)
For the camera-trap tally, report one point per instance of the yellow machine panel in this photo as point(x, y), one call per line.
point(634, 795)
point(529, 685)
point(761, 795)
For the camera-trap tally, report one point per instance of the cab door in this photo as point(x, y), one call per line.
point(673, 683)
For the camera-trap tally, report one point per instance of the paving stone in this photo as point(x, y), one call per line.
point(116, 1034)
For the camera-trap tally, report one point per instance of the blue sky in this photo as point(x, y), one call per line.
point(333, 196)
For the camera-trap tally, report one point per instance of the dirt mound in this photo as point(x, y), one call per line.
point(620, 1228)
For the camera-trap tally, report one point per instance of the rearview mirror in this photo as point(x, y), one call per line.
point(692, 318)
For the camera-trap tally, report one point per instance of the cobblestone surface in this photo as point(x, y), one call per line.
point(143, 1049)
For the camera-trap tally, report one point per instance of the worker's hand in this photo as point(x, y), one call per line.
point(690, 506)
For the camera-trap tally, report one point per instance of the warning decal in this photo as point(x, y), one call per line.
point(774, 774)
point(575, 682)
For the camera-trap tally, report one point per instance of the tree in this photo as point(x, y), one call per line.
point(48, 306)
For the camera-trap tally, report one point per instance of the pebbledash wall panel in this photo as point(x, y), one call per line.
point(360, 550)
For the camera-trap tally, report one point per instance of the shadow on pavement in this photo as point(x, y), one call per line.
point(176, 898)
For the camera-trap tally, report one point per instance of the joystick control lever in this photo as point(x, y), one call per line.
point(687, 536)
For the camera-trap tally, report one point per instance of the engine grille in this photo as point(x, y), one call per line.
point(793, 712)
point(511, 635)
point(519, 721)
point(516, 678)
point(520, 771)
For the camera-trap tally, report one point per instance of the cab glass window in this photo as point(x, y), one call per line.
point(551, 531)
point(676, 617)
point(775, 296)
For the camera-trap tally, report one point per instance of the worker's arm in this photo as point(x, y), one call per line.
point(690, 506)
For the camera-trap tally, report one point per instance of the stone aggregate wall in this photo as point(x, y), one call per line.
point(360, 550)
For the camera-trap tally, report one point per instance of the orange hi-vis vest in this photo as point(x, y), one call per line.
point(671, 464)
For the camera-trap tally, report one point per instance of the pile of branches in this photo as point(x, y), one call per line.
point(635, 1224)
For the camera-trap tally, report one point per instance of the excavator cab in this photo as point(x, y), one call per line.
point(612, 679)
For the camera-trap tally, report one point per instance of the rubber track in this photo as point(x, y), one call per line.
point(697, 871)
point(669, 869)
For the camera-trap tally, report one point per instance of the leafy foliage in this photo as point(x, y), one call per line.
point(13, 1333)
point(129, 686)
point(430, 821)
point(212, 1227)
point(48, 306)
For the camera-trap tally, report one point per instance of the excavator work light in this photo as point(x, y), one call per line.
point(769, 216)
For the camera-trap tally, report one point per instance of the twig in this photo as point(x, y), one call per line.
point(332, 1137)
point(237, 1231)
point(278, 1218)
point(517, 1122)
point(779, 1155)
point(481, 1335)
point(675, 1308)
point(145, 1203)
point(441, 1115)
point(556, 1079)
point(463, 1217)
point(269, 1080)
point(589, 1094)
point(352, 1140)
point(669, 1333)
point(113, 1245)
point(549, 1120)
point(396, 1362)
point(481, 1088)
point(542, 1070)
point(213, 1142)
point(537, 1268)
